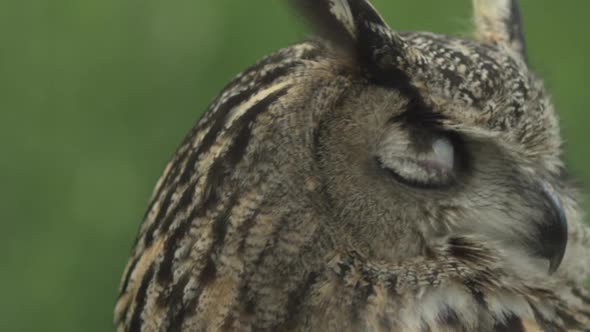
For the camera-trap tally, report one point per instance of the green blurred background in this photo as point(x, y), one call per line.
point(96, 95)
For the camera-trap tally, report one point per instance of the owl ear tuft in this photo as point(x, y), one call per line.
point(499, 22)
point(356, 27)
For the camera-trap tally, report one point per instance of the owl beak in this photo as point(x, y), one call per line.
point(553, 233)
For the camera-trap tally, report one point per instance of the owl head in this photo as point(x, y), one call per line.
point(433, 136)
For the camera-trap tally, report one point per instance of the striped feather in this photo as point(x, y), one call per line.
point(194, 196)
point(221, 250)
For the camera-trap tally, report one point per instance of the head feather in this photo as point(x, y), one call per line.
point(357, 28)
point(499, 22)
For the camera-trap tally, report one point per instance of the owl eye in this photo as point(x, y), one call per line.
point(431, 165)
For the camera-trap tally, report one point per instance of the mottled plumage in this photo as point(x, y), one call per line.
point(369, 180)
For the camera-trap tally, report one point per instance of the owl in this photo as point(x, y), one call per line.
point(369, 180)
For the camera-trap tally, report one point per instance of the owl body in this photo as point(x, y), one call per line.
point(368, 180)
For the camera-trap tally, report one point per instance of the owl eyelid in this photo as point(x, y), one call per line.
point(414, 183)
point(435, 170)
point(431, 158)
